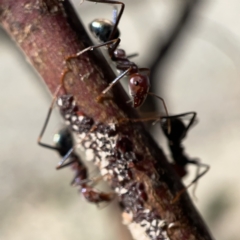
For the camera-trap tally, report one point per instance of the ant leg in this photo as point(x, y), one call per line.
point(92, 182)
point(206, 166)
point(63, 160)
point(198, 175)
point(66, 164)
point(162, 117)
point(183, 115)
point(165, 107)
point(157, 118)
point(118, 78)
point(116, 22)
point(194, 114)
point(145, 70)
point(196, 183)
point(114, 42)
point(192, 120)
point(134, 120)
point(132, 55)
point(50, 112)
point(47, 120)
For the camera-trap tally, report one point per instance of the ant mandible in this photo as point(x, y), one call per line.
point(139, 83)
point(175, 138)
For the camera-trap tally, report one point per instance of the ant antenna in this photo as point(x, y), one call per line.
point(165, 108)
point(115, 14)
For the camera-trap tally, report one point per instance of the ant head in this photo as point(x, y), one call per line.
point(102, 28)
point(178, 130)
point(138, 88)
point(63, 141)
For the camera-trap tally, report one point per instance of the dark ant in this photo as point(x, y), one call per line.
point(139, 83)
point(64, 145)
point(175, 138)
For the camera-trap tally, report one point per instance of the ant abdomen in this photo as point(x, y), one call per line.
point(138, 88)
point(63, 140)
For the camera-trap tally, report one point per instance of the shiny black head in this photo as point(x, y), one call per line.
point(63, 140)
point(102, 28)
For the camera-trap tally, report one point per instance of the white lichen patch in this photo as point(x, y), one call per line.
point(89, 154)
point(138, 232)
point(127, 218)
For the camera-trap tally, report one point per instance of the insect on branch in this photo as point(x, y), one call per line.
point(48, 31)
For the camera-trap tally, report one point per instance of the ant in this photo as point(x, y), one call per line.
point(175, 137)
point(64, 145)
point(139, 83)
point(181, 160)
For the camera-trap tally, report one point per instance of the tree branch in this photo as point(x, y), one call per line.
point(47, 31)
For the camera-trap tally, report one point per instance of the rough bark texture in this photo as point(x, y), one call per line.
point(48, 31)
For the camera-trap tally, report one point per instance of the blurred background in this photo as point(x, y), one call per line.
point(200, 73)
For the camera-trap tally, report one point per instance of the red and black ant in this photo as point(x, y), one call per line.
point(64, 145)
point(108, 33)
point(175, 137)
point(139, 83)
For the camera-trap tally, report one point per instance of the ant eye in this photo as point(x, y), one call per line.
point(136, 83)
